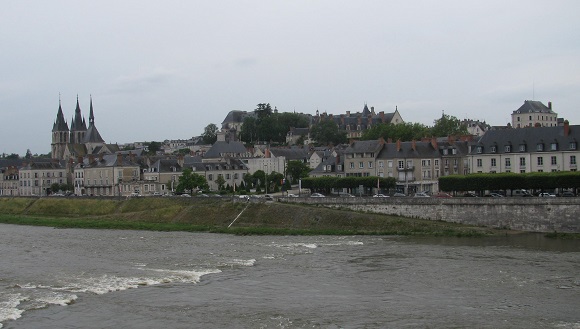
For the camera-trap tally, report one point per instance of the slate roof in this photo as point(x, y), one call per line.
point(92, 135)
point(422, 150)
point(364, 147)
point(222, 148)
point(530, 137)
point(533, 107)
point(293, 153)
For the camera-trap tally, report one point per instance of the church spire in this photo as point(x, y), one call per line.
point(91, 115)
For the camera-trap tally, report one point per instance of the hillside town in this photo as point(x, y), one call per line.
point(535, 141)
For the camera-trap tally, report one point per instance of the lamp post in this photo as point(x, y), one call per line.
point(266, 177)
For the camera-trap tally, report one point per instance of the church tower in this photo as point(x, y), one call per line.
point(60, 134)
point(92, 139)
point(78, 126)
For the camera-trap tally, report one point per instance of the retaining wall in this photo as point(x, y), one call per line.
point(526, 214)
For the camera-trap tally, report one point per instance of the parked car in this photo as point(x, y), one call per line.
point(346, 195)
point(290, 195)
point(523, 193)
point(317, 195)
point(470, 195)
point(380, 196)
point(421, 195)
point(494, 195)
point(185, 195)
point(546, 195)
point(567, 194)
point(269, 197)
point(442, 195)
point(399, 194)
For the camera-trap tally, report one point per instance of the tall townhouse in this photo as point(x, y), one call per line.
point(361, 158)
point(533, 149)
point(9, 181)
point(224, 160)
point(534, 113)
point(415, 165)
point(162, 175)
point(108, 175)
point(36, 177)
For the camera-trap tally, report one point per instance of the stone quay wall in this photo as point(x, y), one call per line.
point(516, 213)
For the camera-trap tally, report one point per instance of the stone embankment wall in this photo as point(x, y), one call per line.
point(525, 214)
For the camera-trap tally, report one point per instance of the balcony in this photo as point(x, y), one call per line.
point(407, 168)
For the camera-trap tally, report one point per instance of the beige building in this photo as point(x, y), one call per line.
point(534, 113)
point(36, 178)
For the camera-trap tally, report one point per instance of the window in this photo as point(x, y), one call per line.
point(522, 147)
point(425, 163)
point(361, 165)
point(493, 162)
point(540, 147)
point(507, 148)
point(493, 149)
point(572, 145)
point(508, 162)
point(479, 163)
point(572, 159)
point(390, 163)
point(453, 151)
point(381, 164)
point(480, 149)
point(370, 164)
point(540, 161)
point(554, 160)
point(554, 146)
point(352, 165)
point(401, 164)
point(445, 152)
point(522, 162)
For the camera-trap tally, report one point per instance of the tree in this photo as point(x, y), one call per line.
point(327, 132)
point(220, 180)
point(403, 131)
point(154, 147)
point(263, 110)
point(448, 125)
point(13, 156)
point(28, 154)
point(189, 181)
point(209, 135)
point(297, 169)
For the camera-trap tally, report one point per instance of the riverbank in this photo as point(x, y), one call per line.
point(215, 215)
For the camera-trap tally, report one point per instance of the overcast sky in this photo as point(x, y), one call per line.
point(166, 69)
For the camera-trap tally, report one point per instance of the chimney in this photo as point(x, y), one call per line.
point(414, 145)
point(338, 159)
point(100, 157)
point(267, 153)
point(382, 115)
point(381, 141)
point(566, 128)
point(372, 110)
point(91, 159)
point(342, 119)
point(550, 105)
point(119, 159)
point(398, 145)
point(180, 160)
point(132, 156)
point(434, 143)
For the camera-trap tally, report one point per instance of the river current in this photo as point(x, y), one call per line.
point(73, 278)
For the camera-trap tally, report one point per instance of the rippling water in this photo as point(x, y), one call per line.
point(71, 278)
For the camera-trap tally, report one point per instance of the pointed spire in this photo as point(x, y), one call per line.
point(91, 115)
point(60, 123)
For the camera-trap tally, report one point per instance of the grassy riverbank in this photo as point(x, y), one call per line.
point(215, 215)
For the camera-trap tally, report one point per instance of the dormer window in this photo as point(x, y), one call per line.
point(493, 149)
point(480, 149)
point(540, 147)
point(554, 146)
point(445, 152)
point(507, 148)
point(522, 147)
point(453, 151)
point(572, 145)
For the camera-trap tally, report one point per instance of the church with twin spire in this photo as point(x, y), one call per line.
point(79, 140)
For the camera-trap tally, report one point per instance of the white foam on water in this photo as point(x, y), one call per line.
point(345, 243)
point(9, 307)
point(296, 245)
point(243, 262)
point(56, 298)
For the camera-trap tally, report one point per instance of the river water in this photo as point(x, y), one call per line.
point(72, 278)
